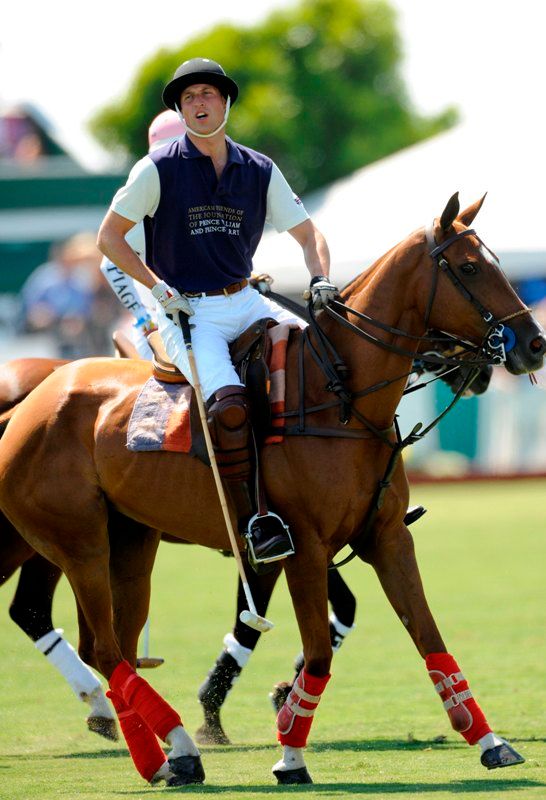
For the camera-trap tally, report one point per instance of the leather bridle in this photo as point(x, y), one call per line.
point(499, 339)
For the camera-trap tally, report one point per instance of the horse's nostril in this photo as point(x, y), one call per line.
point(538, 345)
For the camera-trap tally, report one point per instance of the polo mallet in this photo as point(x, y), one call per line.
point(146, 661)
point(250, 617)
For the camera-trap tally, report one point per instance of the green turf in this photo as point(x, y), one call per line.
point(380, 730)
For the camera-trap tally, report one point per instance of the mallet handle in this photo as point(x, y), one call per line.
point(184, 324)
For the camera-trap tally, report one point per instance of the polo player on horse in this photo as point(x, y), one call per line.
point(204, 200)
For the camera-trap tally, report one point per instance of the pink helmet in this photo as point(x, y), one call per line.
point(166, 127)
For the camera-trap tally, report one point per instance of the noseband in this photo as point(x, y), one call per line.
point(500, 338)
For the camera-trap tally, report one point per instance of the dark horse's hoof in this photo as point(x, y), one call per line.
point(279, 694)
point(186, 769)
point(211, 731)
point(503, 755)
point(292, 776)
point(104, 726)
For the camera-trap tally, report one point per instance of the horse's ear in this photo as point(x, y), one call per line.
point(449, 214)
point(469, 214)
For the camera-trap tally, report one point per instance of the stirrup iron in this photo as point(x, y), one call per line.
point(277, 533)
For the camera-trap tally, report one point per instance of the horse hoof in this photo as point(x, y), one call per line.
point(186, 770)
point(104, 726)
point(279, 694)
point(211, 734)
point(292, 776)
point(503, 755)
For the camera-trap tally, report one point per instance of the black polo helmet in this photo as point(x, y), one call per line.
point(199, 70)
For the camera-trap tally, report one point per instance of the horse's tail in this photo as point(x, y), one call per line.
point(5, 417)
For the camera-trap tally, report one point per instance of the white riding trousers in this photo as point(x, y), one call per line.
point(218, 321)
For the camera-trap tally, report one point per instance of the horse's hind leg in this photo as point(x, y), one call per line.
point(393, 557)
point(133, 549)
point(237, 649)
point(142, 711)
point(31, 611)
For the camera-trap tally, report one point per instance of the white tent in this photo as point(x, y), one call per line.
point(365, 214)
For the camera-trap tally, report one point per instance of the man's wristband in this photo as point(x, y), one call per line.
point(318, 278)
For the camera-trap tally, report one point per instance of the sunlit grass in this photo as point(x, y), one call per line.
point(380, 730)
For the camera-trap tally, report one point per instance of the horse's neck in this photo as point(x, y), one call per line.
point(389, 296)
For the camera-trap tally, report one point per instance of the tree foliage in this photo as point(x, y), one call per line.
point(320, 90)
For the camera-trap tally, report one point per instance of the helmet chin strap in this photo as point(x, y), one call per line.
point(205, 135)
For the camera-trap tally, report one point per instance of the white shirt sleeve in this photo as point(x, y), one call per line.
point(140, 195)
point(284, 209)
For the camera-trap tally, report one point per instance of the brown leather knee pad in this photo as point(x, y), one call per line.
point(229, 426)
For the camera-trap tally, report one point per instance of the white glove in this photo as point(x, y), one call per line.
point(322, 292)
point(171, 299)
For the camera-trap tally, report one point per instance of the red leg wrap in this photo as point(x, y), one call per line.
point(296, 716)
point(143, 746)
point(139, 695)
point(464, 713)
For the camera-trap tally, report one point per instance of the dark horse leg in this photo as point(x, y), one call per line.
point(112, 596)
point(30, 609)
point(392, 555)
point(241, 642)
point(238, 647)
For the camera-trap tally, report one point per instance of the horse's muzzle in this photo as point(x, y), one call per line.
point(530, 349)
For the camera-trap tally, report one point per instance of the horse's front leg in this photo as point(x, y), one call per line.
point(306, 574)
point(238, 646)
point(393, 557)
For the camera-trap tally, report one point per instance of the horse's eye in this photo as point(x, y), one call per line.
point(469, 268)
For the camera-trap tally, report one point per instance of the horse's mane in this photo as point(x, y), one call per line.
point(356, 284)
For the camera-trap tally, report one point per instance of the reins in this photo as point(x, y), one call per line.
point(497, 342)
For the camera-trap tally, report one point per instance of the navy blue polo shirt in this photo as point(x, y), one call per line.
point(205, 231)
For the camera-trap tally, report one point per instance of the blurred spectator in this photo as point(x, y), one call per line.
point(25, 136)
point(68, 298)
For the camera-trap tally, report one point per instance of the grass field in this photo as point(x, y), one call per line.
point(482, 550)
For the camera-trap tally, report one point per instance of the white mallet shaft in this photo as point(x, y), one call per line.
point(250, 617)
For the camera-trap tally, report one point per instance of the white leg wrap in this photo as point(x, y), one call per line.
point(292, 758)
point(237, 651)
point(341, 631)
point(181, 742)
point(99, 705)
point(489, 741)
point(64, 658)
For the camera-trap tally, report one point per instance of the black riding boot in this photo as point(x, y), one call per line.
point(268, 538)
point(228, 420)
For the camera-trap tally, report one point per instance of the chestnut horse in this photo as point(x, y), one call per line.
point(63, 462)
point(31, 607)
